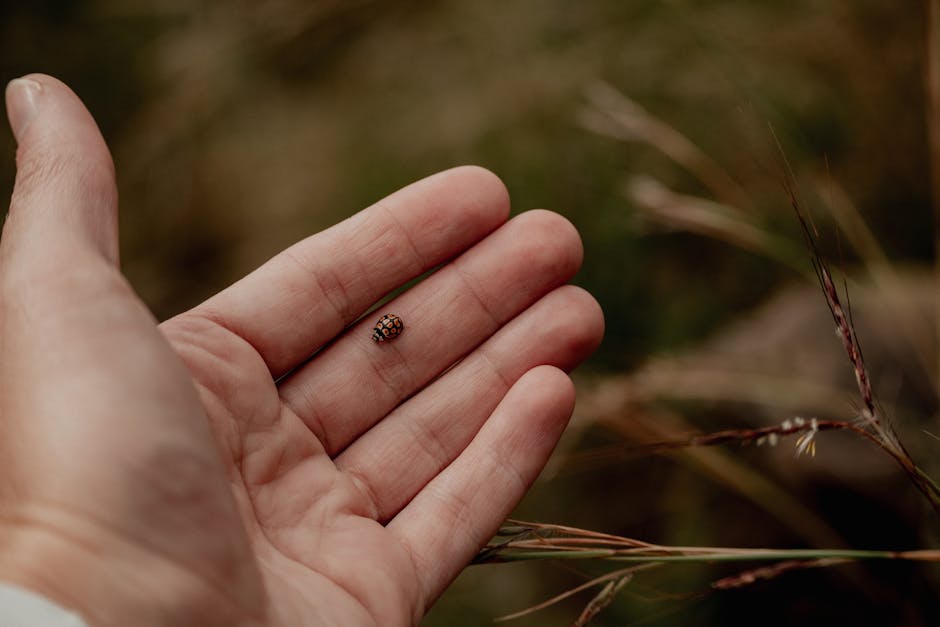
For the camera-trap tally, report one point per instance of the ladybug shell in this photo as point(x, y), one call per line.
point(389, 326)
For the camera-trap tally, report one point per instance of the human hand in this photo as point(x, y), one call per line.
point(207, 471)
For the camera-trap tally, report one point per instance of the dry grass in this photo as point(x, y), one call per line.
point(519, 540)
point(618, 117)
point(255, 124)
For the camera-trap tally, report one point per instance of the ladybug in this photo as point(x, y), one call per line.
point(389, 326)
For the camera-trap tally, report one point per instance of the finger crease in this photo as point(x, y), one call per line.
point(418, 258)
point(430, 444)
point(310, 416)
point(504, 463)
point(213, 317)
point(364, 487)
point(388, 374)
point(507, 383)
point(477, 296)
point(334, 291)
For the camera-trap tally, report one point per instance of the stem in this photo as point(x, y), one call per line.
point(933, 129)
point(708, 555)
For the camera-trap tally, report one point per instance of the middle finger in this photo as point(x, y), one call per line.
point(354, 382)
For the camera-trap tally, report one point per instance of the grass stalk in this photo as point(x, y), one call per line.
point(932, 80)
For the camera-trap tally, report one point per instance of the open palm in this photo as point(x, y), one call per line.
point(259, 460)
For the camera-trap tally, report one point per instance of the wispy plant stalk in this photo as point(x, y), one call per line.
point(526, 541)
point(871, 418)
point(932, 36)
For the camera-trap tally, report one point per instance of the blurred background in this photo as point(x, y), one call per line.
point(240, 127)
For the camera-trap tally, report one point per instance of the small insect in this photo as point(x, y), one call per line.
point(389, 326)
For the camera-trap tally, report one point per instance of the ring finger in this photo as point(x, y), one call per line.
point(397, 457)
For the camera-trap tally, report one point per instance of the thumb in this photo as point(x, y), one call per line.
point(64, 198)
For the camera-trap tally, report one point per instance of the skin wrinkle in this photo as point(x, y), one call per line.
point(456, 504)
point(35, 166)
point(312, 417)
point(420, 609)
point(235, 439)
point(240, 456)
point(363, 252)
point(66, 531)
point(97, 284)
point(391, 368)
point(496, 321)
point(259, 474)
point(365, 490)
point(220, 365)
point(416, 262)
point(440, 458)
point(552, 264)
point(189, 323)
point(429, 442)
point(344, 311)
point(189, 348)
point(90, 179)
point(287, 519)
point(172, 469)
point(507, 383)
point(432, 446)
point(360, 598)
point(100, 192)
point(280, 358)
point(420, 262)
point(340, 304)
point(276, 435)
point(290, 581)
point(504, 462)
point(50, 142)
point(386, 370)
point(504, 468)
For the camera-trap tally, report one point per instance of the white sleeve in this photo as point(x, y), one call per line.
point(22, 608)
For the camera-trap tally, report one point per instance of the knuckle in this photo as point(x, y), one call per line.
point(42, 168)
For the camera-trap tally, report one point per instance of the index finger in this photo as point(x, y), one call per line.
point(307, 294)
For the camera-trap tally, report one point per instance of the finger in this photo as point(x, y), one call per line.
point(460, 510)
point(397, 457)
point(355, 381)
point(64, 202)
point(90, 394)
point(303, 297)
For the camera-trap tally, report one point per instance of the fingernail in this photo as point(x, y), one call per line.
point(22, 103)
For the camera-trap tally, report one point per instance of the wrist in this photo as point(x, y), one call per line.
point(22, 607)
point(111, 582)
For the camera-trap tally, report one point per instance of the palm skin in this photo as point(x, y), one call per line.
point(208, 471)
